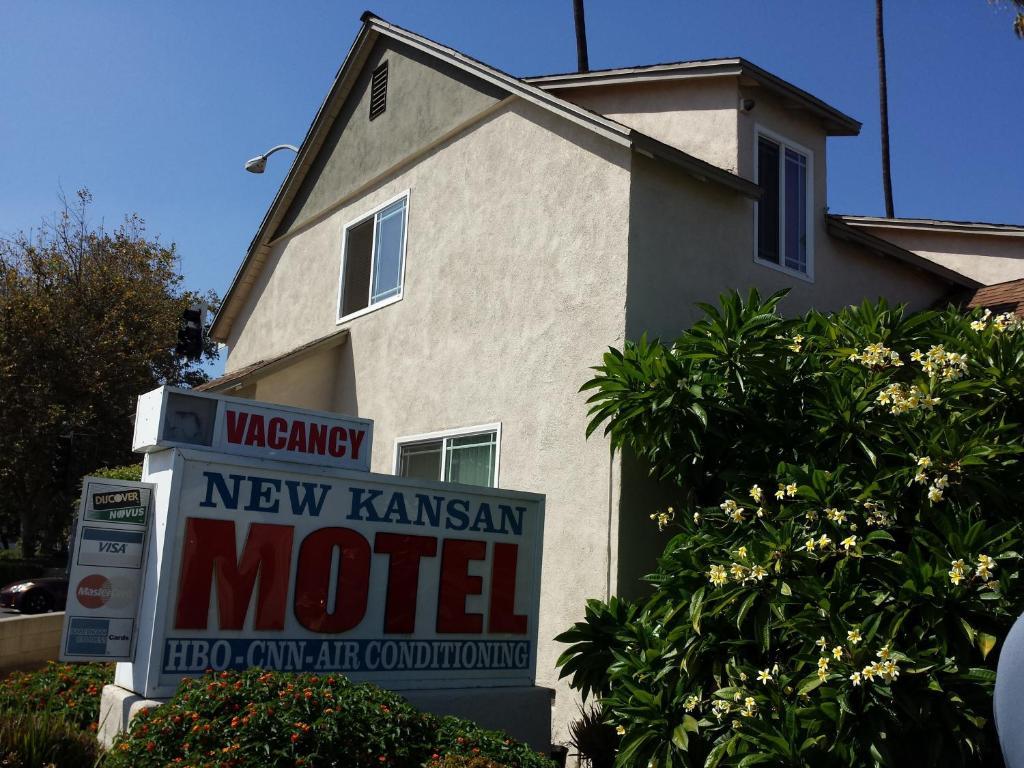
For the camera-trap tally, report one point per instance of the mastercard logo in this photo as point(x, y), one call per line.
point(94, 591)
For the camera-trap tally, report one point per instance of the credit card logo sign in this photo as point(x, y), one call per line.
point(107, 546)
point(104, 638)
point(94, 591)
point(116, 499)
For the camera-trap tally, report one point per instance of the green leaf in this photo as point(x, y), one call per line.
point(985, 644)
point(680, 737)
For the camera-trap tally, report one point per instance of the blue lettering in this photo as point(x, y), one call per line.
point(433, 513)
point(397, 507)
point(309, 503)
point(459, 509)
point(483, 514)
point(359, 504)
point(229, 499)
point(512, 517)
point(260, 494)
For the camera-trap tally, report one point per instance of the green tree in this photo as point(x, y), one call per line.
point(88, 321)
point(847, 526)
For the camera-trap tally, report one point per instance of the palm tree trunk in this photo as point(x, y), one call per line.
point(582, 60)
point(883, 98)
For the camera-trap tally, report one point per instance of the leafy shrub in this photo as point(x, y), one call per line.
point(126, 472)
point(69, 691)
point(265, 719)
point(847, 521)
point(34, 740)
point(594, 740)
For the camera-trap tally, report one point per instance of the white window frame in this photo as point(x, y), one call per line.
point(431, 437)
point(373, 248)
point(785, 143)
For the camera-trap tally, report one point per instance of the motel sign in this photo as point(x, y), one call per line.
point(272, 546)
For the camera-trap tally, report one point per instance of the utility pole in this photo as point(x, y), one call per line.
point(583, 63)
point(883, 98)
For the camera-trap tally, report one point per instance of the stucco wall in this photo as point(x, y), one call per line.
point(425, 100)
point(515, 284)
point(308, 383)
point(697, 116)
point(690, 241)
point(986, 258)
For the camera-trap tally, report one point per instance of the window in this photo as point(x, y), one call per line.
point(373, 259)
point(468, 456)
point(379, 90)
point(783, 236)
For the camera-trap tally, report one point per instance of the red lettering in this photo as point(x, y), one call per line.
point(312, 581)
point(403, 577)
point(317, 439)
point(275, 427)
point(255, 435)
point(297, 437)
point(356, 436)
point(457, 584)
point(236, 426)
point(336, 443)
point(502, 616)
point(209, 554)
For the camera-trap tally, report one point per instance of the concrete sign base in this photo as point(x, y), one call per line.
point(523, 713)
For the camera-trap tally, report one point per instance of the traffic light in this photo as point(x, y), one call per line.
point(190, 334)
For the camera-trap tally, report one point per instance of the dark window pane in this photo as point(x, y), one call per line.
point(796, 211)
point(768, 206)
point(422, 461)
point(355, 283)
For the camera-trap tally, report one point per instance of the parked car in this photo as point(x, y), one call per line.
point(46, 593)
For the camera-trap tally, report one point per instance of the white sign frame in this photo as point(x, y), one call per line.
point(167, 470)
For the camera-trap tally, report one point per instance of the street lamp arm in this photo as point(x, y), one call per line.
point(259, 163)
point(272, 150)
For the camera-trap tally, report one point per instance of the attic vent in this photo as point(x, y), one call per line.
point(379, 90)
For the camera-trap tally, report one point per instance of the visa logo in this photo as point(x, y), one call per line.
point(113, 546)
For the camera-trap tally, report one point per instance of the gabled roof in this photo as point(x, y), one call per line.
point(935, 225)
point(375, 27)
point(1001, 297)
point(839, 228)
point(836, 123)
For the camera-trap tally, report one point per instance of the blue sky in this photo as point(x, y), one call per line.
point(155, 106)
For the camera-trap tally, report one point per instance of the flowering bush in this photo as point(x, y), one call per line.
point(844, 564)
point(70, 691)
point(266, 719)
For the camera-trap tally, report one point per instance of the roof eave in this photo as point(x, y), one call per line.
point(843, 231)
point(935, 225)
point(695, 167)
point(836, 123)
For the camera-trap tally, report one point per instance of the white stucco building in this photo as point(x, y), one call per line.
point(454, 247)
